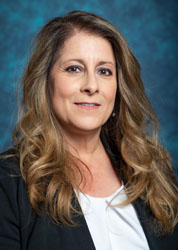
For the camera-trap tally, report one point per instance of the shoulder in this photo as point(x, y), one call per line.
point(12, 186)
point(9, 164)
point(155, 239)
point(10, 177)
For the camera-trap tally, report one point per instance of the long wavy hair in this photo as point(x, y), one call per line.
point(45, 163)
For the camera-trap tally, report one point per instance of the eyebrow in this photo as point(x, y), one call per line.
point(82, 62)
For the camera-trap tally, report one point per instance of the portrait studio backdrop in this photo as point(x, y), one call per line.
point(150, 27)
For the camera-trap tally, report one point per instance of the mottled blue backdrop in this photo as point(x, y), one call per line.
point(150, 28)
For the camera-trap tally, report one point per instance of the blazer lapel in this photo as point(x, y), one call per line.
point(80, 233)
point(145, 217)
point(155, 241)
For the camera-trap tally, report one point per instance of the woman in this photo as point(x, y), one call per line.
point(87, 170)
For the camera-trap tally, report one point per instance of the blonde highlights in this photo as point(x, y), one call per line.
point(46, 165)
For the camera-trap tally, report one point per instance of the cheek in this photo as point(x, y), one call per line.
point(61, 89)
point(111, 93)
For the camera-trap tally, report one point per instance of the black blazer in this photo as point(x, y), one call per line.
point(22, 229)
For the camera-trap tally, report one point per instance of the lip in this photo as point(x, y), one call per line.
point(87, 105)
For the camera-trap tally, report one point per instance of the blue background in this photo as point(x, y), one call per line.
point(150, 27)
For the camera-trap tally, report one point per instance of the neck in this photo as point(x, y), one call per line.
point(83, 145)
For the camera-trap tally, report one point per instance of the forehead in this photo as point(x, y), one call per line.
point(87, 45)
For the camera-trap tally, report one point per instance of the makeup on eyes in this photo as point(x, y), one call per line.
point(81, 64)
point(77, 69)
point(73, 68)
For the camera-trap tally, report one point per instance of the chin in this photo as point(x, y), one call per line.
point(83, 128)
point(88, 128)
point(83, 125)
point(90, 123)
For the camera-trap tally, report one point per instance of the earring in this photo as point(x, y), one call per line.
point(113, 114)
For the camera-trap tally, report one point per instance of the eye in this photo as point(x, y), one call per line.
point(104, 71)
point(73, 69)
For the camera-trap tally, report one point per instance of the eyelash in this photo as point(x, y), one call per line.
point(109, 72)
point(70, 69)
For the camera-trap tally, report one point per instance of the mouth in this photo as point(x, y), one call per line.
point(87, 105)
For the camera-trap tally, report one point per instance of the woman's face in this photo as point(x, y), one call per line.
point(83, 83)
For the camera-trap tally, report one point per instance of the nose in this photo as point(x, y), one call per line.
point(90, 85)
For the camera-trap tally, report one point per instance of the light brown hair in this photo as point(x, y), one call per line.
point(47, 166)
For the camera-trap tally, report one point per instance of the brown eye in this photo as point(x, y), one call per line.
point(105, 72)
point(74, 69)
